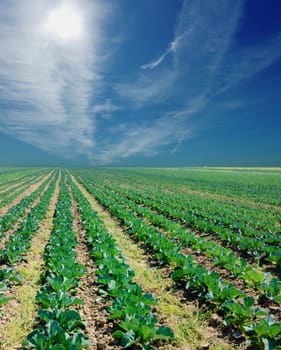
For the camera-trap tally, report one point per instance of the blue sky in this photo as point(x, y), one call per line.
point(151, 82)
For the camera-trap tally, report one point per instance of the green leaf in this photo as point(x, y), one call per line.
point(146, 332)
point(4, 300)
point(58, 347)
point(38, 340)
point(164, 332)
point(118, 334)
point(128, 339)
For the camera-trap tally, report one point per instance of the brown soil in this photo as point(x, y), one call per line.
point(212, 237)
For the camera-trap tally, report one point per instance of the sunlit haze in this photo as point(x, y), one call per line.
point(65, 23)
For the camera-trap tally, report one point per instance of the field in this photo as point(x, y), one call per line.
point(140, 258)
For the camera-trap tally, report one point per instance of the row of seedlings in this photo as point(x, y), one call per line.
point(224, 213)
point(16, 212)
point(20, 242)
point(59, 325)
point(13, 177)
point(269, 287)
point(130, 306)
point(236, 307)
point(263, 244)
point(13, 192)
point(258, 188)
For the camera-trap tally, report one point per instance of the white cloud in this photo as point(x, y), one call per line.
point(203, 66)
point(144, 139)
point(159, 60)
point(172, 48)
point(105, 109)
point(47, 83)
point(203, 36)
point(147, 89)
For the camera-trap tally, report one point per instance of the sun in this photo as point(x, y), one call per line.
point(65, 23)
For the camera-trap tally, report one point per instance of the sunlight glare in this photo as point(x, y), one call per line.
point(65, 23)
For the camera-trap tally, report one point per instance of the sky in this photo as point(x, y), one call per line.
point(140, 83)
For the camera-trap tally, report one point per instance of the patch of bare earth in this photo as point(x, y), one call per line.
point(174, 310)
point(17, 316)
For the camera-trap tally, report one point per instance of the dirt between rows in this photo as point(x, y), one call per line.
point(212, 237)
point(272, 307)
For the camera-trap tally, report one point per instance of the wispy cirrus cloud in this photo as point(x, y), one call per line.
point(147, 89)
point(107, 107)
point(172, 48)
point(203, 35)
point(63, 97)
point(146, 138)
point(46, 83)
point(203, 65)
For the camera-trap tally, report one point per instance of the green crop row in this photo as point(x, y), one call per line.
point(60, 326)
point(8, 220)
point(268, 286)
point(254, 185)
point(130, 306)
point(19, 242)
point(12, 193)
point(247, 240)
point(13, 176)
point(237, 308)
point(221, 212)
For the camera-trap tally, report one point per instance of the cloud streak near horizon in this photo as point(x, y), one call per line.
point(56, 95)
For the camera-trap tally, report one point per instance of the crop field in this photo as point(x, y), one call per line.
point(140, 258)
